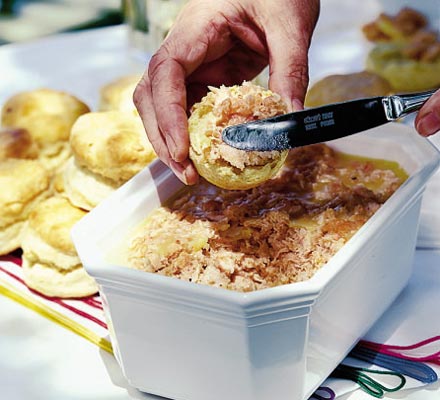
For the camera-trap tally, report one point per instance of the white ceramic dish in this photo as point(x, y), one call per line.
point(187, 341)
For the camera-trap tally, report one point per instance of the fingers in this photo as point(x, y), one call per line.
point(238, 64)
point(185, 171)
point(288, 40)
point(161, 95)
point(428, 119)
point(168, 91)
point(217, 43)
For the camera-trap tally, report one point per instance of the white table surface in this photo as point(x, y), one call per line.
point(40, 360)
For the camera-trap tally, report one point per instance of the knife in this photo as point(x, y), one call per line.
point(322, 124)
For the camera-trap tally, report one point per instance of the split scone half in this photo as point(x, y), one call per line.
point(51, 265)
point(108, 148)
point(24, 184)
point(219, 163)
point(48, 116)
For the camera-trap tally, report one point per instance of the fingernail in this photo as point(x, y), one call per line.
point(191, 175)
point(429, 124)
point(185, 177)
point(178, 171)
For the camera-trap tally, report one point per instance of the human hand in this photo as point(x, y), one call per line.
point(428, 118)
point(222, 42)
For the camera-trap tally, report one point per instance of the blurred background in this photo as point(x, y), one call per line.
point(23, 20)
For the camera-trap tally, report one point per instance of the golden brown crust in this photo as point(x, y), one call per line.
point(50, 262)
point(338, 88)
point(397, 27)
point(406, 51)
point(405, 74)
point(118, 94)
point(53, 219)
point(83, 188)
point(23, 183)
point(53, 282)
point(112, 144)
point(11, 237)
point(17, 143)
point(48, 116)
point(58, 182)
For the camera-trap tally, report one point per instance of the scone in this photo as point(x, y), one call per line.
point(48, 116)
point(108, 149)
point(219, 163)
point(395, 28)
point(407, 52)
point(58, 181)
point(24, 184)
point(406, 70)
point(344, 87)
point(118, 94)
point(51, 265)
point(17, 143)
point(83, 188)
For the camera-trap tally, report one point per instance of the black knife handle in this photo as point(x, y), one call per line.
point(322, 124)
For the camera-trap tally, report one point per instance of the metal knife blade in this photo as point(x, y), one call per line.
point(321, 124)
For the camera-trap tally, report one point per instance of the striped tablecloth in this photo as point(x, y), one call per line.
point(83, 316)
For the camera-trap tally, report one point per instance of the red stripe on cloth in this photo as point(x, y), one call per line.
point(80, 312)
point(404, 352)
point(93, 302)
point(58, 300)
point(17, 278)
point(12, 259)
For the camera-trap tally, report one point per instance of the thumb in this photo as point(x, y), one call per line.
point(428, 119)
point(288, 40)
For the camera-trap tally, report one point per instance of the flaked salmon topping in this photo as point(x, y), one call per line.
point(236, 105)
point(280, 232)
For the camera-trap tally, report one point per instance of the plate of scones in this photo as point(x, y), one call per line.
point(58, 160)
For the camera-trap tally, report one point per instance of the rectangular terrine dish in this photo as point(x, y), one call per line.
point(187, 341)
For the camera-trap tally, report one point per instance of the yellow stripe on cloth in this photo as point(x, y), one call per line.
point(37, 306)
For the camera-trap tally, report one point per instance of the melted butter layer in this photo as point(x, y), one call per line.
point(313, 177)
point(280, 232)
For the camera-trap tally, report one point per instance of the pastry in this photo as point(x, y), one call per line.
point(219, 163)
point(24, 184)
point(118, 94)
point(395, 28)
point(406, 51)
point(83, 188)
point(338, 88)
point(108, 149)
point(51, 265)
point(48, 116)
point(406, 69)
point(17, 143)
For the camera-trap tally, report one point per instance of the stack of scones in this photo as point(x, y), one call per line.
point(58, 160)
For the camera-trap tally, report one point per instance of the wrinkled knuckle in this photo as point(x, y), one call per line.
point(299, 72)
point(157, 61)
point(141, 90)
